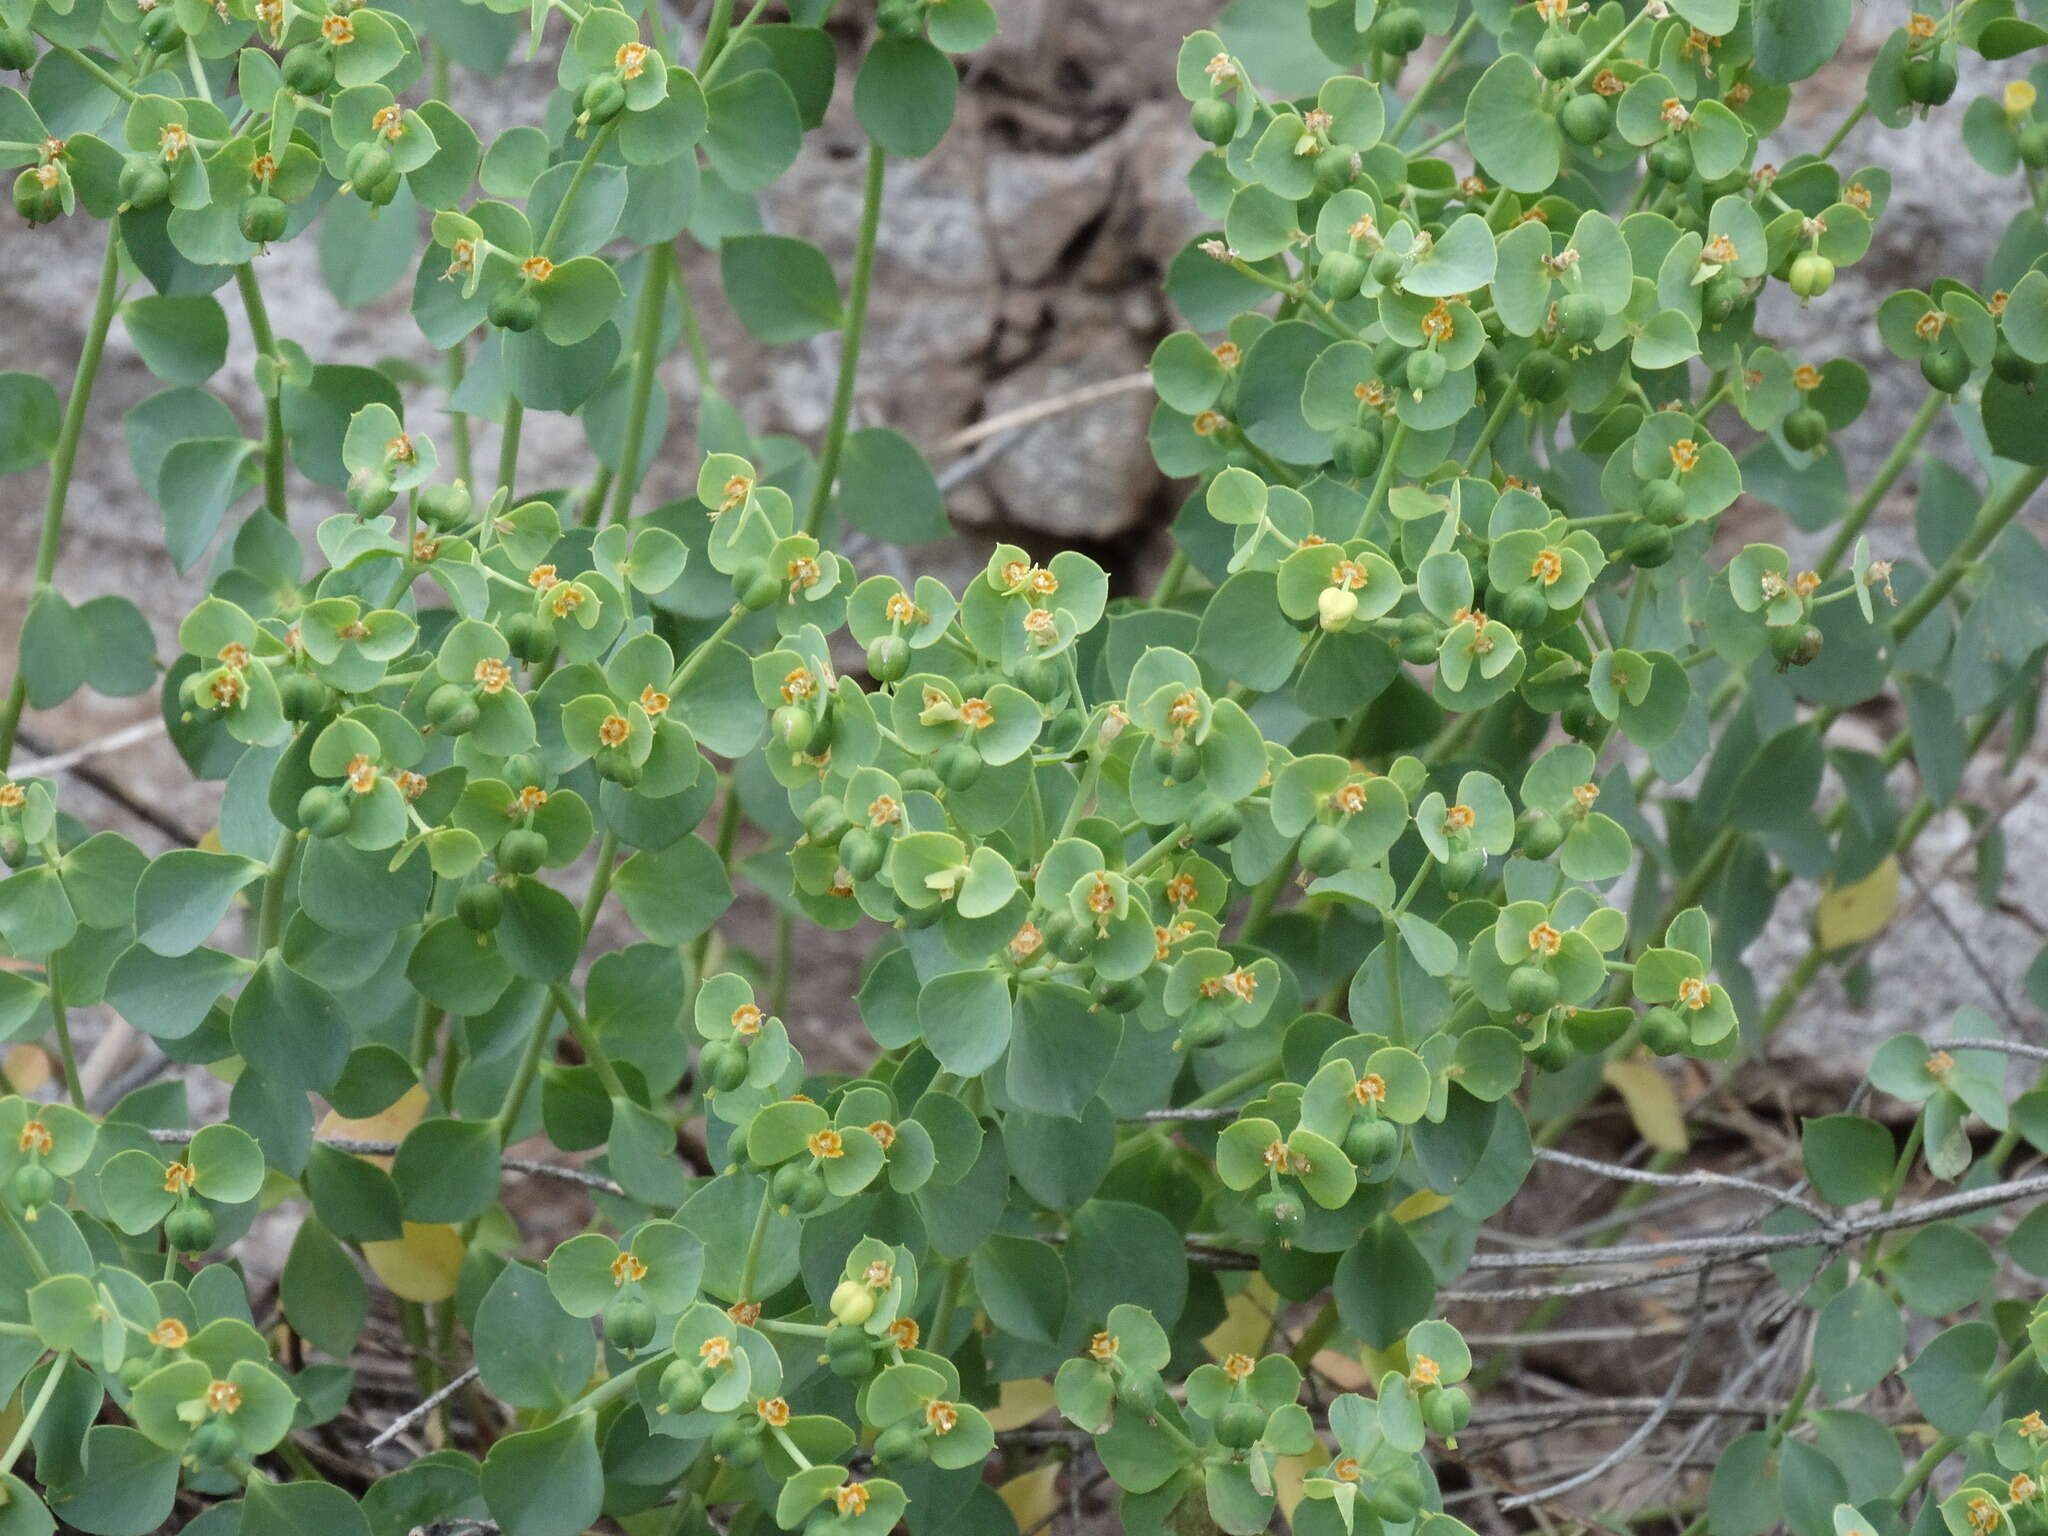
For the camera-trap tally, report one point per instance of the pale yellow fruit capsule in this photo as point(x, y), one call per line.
point(853, 1303)
point(1336, 607)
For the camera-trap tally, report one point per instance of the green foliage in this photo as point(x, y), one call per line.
point(1231, 949)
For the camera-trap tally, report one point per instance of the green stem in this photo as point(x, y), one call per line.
point(62, 459)
point(270, 916)
point(1835, 139)
point(37, 1264)
point(1494, 423)
point(850, 340)
point(949, 1300)
point(273, 397)
point(729, 44)
point(1887, 474)
point(1946, 1446)
point(61, 1017)
point(1170, 580)
point(715, 31)
point(750, 1266)
point(661, 261)
point(1999, 509)
point(85, 62)
point(570, 193)
point(508, 445)
point(1396, 441)
point(34, 1414)
point(587, 1038)
point(1454, 46)
point(544, 1015)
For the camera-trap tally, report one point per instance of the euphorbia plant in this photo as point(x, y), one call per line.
point(1231, 951)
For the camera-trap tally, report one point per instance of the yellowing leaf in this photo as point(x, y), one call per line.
point(1652, 1102)
point(1424, 1202)
point(420, 1266)
point(1034, 1497)
point(391, 1123)
point(1345, 1372)
point(1247, 1321)
point(28, 1067)
point(1022, 1401)
point(1289, 1472)
point(1851, 914)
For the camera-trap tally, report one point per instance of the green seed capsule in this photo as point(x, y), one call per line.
point(323, 811)
point(1542, 377)
point(1240, 1425)
point(629, 1323)
point(1587, 118)
point(480, 906)
point(34, 1185)
point(1541, 834)
point(888, 658)
point(1461, 869)
point(17, 48)
point(512, 308)
point(1531, 989)
point(683, 1385)
point(1214, 120)
point(959, 766)
point(1580, 317)
point(144, 182)
point(1664, 503)
point(452, 709)
point(308, 68)
point(1341, 275)
point(1806, 429)
point(1324, 850)
point(521, 851)
point(602, 98)
point(1812, 274)
point(1664, 1032)
point(262, 218)
point(1560, 55)
point(189, 1228)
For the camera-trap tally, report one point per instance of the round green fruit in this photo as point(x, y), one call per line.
point(480, 906)
point(629, 1323)
point(144, 182)
point(1542, 377)
point(1812, 274)
point(1324, 850)
point(1806, 429)
point(34, 1185)
point(1671, 159)
point(323, 811)
point(307, 68)
point(262, 218)
point(1664, 503)
point(1664, 1032)
point(1587, 118)
point(683, 1385)
point(1580, 317)
point(1461, 869)
point(1214, 120)
point(602, 98)
point(452, 709)
point(1531, 989)
point(1240, 1425)
point(888, 658)
point(513, 309)
point(521, 851)
point(1540, 834)
point(189, 1228)
point(1341, 275)
point(959, 766)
